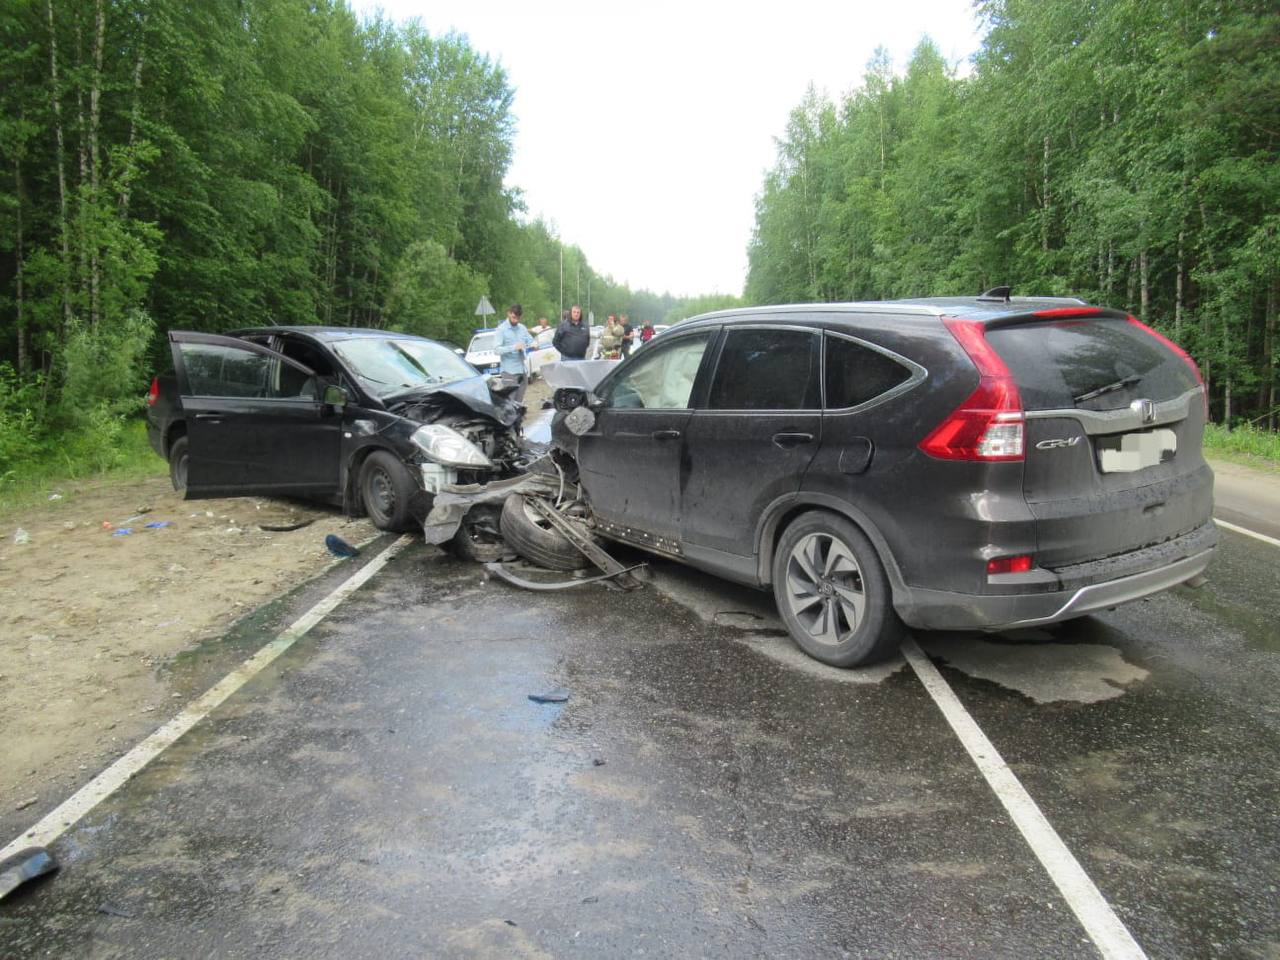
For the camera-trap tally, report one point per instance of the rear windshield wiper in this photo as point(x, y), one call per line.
point(1128, 381)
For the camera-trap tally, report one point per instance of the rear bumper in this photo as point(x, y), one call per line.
point(1175, 563)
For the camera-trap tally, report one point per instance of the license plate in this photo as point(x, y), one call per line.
point(1129, 452)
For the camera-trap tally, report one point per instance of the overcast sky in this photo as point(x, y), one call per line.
point(644, 132)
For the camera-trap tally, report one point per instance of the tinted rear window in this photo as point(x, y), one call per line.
point(767, 369)
point(856, 374)
point(1053, 363)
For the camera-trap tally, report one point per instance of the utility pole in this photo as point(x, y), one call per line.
point(562, 281)
point(577, 280)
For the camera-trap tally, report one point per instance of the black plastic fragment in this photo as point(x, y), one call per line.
point(558, 695)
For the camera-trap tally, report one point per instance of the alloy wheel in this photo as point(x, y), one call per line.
point(825, 590)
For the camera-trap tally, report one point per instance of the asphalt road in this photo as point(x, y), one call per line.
point(386, 787)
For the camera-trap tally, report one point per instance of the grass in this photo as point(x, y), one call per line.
point(130, 457)
point(1245, 444)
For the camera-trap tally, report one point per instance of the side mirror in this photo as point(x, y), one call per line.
point(335, 396)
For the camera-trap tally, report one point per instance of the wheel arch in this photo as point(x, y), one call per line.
point(782, 512)
point(175, 431)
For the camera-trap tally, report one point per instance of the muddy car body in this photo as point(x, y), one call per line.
point(373, 421)
point(952, 464)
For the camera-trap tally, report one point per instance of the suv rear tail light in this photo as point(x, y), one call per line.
point(1186, 358)
point(1018, 564)
point(154, 393)
point(988, 426)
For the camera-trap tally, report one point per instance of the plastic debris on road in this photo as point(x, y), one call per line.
point(157, 524)
point(23, 866)
point(54, 496)
point(339, 547)
point(558, 695)
point(122, 531)
point(21, 537)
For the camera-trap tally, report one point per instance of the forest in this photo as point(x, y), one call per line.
point(212, 165)
point(1123, 151)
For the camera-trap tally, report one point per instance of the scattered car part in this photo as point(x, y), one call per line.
point(500, 570)
point(24, 866)
point(479, 538)
point(339, 547)
point(285, 527)
point(558, 695)
point(583, 542)
point(452, 501)
point(531, 535)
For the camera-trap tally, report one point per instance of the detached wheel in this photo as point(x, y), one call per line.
point(178, 460)
point(387, 489)
point(533, 538)
point(833, 594)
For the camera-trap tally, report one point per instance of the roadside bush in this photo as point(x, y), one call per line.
point(104, 370)
point(19, 425)
point(1244, 439)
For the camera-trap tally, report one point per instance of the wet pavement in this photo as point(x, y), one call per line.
point(386, 788)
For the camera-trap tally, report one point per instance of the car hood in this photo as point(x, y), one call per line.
point(473, 392)
point(576, 374)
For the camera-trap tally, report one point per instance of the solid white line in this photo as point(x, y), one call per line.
point(1100, 922)
point(56, 822)
point(1247, 532)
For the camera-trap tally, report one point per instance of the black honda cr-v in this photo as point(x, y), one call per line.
point(951, 464)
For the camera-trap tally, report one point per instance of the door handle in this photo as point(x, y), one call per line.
point(665, 434)
point(787, 440)
point(210, 416)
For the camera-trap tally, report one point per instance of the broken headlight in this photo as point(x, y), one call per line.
point(445, 445)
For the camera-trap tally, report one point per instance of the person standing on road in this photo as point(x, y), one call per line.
point(611, 339)
point(541, 328)
point(512, 339)
point(628, 336)
point(572, 336)
point(646, 332)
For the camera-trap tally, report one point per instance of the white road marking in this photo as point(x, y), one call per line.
point(57, 821)
point(1247, 532)
point(1100, 922)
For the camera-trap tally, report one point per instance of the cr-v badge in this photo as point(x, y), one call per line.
point(1057, 444)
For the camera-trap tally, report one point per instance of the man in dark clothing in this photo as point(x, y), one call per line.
point(572, 336)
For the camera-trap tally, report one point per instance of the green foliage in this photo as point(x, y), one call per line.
point(1124, 151)
point(19, 424)
point(433, 295)
point(1245, 440)
point(698, 305)
point(102, 371)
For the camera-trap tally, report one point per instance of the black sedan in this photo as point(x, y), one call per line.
point(370, 420)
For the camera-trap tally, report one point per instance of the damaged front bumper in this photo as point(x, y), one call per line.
point(453, 500)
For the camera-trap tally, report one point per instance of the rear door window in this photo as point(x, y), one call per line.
point(1056, 365)
point(767, 369)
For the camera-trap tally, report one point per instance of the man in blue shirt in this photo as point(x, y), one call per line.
point(512, 339)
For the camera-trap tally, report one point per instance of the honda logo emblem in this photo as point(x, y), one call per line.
point(1145, 409)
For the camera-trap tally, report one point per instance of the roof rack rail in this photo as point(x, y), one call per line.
point(995, 295)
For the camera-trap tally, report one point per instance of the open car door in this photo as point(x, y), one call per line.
point(256, 421)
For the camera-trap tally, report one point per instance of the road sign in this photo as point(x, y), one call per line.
point(483, 309)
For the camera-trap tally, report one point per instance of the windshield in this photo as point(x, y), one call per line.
point(387, 367)
point(481, 343)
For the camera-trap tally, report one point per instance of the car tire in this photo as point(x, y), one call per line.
point(387, 490)
point(179, 459)
point(832, 592)
point(531, 537)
